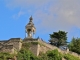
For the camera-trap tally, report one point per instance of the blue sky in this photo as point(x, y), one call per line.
point(48, 16)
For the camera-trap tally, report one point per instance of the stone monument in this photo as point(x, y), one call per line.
point(30, 29)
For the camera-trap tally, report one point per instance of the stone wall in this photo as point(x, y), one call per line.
point(16, 42)
point(45, 47)
point(35, 49)
point(34, 46)
point(8, 48)
point(2, 43)
point(12, 45)
point(41, 46)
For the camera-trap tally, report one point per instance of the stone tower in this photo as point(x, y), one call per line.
point(30, 29)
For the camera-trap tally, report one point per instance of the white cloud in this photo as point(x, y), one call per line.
point(53, 14)
point(26, 3)
point(19, 14)
point(67, 12)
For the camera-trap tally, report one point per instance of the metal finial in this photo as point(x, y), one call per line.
point(31, 18)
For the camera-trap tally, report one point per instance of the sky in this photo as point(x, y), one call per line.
point(48, 16)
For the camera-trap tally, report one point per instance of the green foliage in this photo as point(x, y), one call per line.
point(54, 55)
point(70, 57)
point(75, 45)
point(43, 56)
point(25, 55)
point(41, 44)
point(61, 36)
point(5, 56)
point(51, 55)
point(26, 45)
point(34, 43)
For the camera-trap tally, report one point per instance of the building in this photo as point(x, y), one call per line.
point(37, 46)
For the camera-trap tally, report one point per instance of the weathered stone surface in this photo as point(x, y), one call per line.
point(12, 45)
point(15, 44)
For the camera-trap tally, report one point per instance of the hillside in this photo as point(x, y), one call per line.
point(26, 54)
